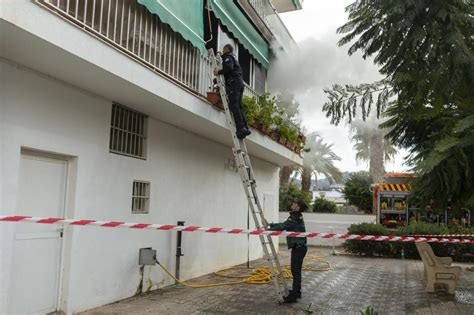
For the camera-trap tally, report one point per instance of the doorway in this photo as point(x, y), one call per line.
point(37, 248)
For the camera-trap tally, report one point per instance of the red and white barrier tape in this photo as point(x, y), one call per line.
point(444, 235)
point(168, 227)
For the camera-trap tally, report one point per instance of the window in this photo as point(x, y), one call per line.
point(224, 37)
point(128, 132)
point(260, 78)
point(140, 197)
point(245, 61)
point(253, 73)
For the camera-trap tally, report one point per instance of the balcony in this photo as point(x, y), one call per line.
point(287, 5)
point(266, 18)
point(89, 43)
point(132, 29)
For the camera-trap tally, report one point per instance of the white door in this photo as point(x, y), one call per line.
point(37, 247)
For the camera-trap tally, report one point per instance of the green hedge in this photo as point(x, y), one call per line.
point(395, 249)
point(323, 205)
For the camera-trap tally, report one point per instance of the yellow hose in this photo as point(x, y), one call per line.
point(258, 275)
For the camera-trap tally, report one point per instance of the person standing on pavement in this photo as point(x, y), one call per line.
point(298, 245)
point(234, 86)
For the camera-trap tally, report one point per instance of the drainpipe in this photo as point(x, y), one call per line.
point(179, 253)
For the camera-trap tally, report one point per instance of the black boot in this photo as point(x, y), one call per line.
point(242, 133)
point(296, 294)
point(290, 299)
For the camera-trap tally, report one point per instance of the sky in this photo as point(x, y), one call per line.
point(319, 63)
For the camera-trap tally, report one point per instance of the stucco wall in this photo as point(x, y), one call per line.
point(188, 182)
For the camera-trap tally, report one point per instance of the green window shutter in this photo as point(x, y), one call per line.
point(231, 16)
point(184, 16)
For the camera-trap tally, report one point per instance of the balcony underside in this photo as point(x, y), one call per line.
point(54, 47)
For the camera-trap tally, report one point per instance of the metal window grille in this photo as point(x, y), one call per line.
point(128, 132)
point(140, 197)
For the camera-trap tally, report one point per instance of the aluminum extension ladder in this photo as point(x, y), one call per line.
point(245, 170)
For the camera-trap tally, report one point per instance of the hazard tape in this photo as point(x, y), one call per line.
point(169, 227)
point(445, 235)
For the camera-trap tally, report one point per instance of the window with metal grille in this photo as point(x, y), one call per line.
point(140, 197)
point(128, 132)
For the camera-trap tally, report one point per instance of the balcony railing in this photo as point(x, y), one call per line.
point(270, 17)
point(132, 29)
point(248, 91)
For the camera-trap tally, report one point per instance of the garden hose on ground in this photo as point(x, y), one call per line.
point(258, 275)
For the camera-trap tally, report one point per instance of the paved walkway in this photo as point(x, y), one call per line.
point(390, 286)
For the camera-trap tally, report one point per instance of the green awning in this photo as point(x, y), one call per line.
point(297, 4)
point(231, 16)
point(184, 16)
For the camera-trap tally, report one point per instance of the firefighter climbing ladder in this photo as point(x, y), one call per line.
point(250, 187)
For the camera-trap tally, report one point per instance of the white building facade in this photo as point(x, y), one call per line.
point(116, 127)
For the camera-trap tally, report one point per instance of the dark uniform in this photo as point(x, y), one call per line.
point(234, 86)
point(298, 246)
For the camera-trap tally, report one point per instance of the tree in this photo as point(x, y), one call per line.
point(357, 190)
point(285, 174)
point(319, 160)
point(290, 192)
point(425, 50)
point(371, 145)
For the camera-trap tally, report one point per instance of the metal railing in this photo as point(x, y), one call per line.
point(132, 29)
point(248, 91)
point(268, 14)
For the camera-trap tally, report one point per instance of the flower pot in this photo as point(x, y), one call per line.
point(267, 130)
point(256, 125)
point(215, 99)
point(302, 138)
point(274, 135)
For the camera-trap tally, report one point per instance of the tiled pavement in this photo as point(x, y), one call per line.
point(390, 286)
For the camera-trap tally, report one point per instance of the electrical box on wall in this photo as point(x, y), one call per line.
point(147, 256)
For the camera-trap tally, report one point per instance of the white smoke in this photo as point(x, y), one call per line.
point(312, 66)
point(315, 64)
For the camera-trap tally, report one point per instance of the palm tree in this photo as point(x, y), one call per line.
point(285, 174)
point(371, 145)
point(319, 160)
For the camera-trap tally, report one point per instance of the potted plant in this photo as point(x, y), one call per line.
point(284, 130)
point(250, 105)
point(275, 135)
point(290, 145)
point(215, 99)
point(266, 130)
point(256, 125)
point(282, 140)
point(301, 137)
